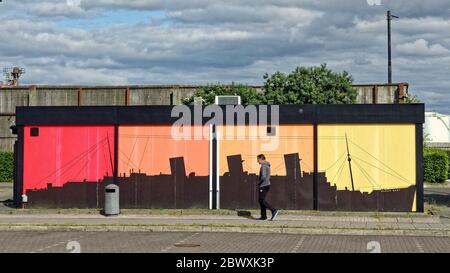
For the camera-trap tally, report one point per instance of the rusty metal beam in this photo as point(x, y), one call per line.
point(375, 94)
point(402, 92)
point(127, 95)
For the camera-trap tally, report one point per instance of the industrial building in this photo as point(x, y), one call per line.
point(327, 157)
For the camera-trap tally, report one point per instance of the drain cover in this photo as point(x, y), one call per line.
point(187, 245)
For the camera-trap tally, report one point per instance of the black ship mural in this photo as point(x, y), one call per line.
point(137, 190)
point(379, 199)
point(238, 190)
point(295, 191)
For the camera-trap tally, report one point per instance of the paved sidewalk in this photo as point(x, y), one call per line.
point(296, 224)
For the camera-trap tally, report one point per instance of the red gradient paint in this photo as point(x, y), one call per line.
point(62, 154)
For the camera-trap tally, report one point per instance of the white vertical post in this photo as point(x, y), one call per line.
point(218, 168)
point(211, 166)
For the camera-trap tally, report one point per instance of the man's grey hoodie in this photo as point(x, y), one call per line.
point(264, 175)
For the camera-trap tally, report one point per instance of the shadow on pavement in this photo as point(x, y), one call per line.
point(443, 200)
point(438, 196)
point(7, 203)
point(245, 214)
point(6, 195)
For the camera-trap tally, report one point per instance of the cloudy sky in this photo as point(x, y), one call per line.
point(206, 41)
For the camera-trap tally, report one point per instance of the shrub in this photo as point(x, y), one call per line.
point(435, 165)
point(6, 167)
point(448, 155)
point(309, 85)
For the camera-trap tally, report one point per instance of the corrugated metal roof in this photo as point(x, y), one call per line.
point(439, 145)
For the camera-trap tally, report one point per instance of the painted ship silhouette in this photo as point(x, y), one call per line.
point(379, 199)
point(179, 190)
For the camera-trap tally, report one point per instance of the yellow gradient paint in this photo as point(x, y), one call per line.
point(383, 156)
point(288, 140)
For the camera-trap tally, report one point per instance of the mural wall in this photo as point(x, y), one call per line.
point(64, 165)
point(288, 148)
point(360, 167)
point(378, 175)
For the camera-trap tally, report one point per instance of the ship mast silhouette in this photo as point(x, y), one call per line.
point(349, 158)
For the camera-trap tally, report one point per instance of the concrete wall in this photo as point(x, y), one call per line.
point(10, 97)
point(51, 96)
point(6, 138)
point(381, 93)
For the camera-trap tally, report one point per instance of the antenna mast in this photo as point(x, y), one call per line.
point(12, 75)
point(349, 163)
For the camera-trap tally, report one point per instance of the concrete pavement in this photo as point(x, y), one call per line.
point(294, 224)
point(195, 242)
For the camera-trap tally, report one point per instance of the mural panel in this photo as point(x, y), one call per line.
point(65, 166)
point(158, 171)
point(289, 149)
point(363, 167)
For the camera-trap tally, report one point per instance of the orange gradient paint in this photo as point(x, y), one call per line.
point(148, 149)
point(291, 139)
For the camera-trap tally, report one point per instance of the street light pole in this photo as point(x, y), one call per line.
point(389, 19)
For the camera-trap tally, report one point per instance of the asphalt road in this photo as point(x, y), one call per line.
point(167, 242)
point(441, 197)
point(6, 192)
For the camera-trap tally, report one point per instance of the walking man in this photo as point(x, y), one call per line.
point(264, 187)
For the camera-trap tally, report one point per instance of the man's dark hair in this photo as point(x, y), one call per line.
point(261, 156)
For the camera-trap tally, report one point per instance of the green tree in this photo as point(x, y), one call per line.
point(412, 99)
point(6, 167)
point(309, 85)
point(249, 95)
point(435, 165)
point(304, 85)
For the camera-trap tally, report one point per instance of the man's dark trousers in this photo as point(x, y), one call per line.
point(262, 201)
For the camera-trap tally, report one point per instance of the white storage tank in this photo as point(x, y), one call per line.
point(437, 127)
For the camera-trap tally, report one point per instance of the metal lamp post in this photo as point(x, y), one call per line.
point(390, 16)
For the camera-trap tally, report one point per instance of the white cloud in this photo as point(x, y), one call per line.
point(204, 41)
point(49, 9)
point(421, 47)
